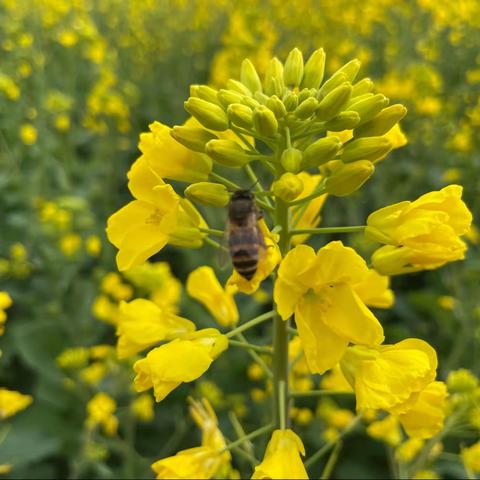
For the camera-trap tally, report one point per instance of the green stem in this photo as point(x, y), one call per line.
point(212, 231)
point(212, 243)
point(332, 460)
point(319, 393)
point(258, 186)
point(325, 230)
point(240, 432)
point(320, 453)
point(250, 436)
point(316, 193)
point(250, 324)
point(225, 181)
point(250, 346)
point(280, 333)
point(257, 358)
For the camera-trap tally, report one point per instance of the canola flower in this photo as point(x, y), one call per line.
point(312, 137)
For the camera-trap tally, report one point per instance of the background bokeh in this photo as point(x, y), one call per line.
point(79, 81)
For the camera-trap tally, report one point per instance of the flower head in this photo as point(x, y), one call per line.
point(100, 409)
point(282, 458)
point(12, 402)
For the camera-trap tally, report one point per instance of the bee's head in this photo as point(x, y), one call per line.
point(243, 195)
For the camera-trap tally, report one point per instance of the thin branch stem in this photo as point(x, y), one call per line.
point(332, 460)
point(319, 393)
point(251, 323)
point(212, 243)
point(257, 358)
point(325, 230)
point(225, 181)
point(250, 346)
point(212, 231)
point(250, 436)
point(316, 193)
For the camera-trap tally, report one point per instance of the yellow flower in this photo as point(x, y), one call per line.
point(70, 244)
point(396, 137)
point(282, 457)
point(182, 360)
point(374, 290)
point(5, 468)
point(170, 159)
point(76, 357)
point(158, 216)
point(408, 450)
point(335, 381)
point(471, 457)
point(389, 377)
point(202, 284)
point(309, 216)
point(419, 235)
point(266, 263)
point(100, 409)
point(28, 134)
point(426, 416)
point(426, 475)
point(198, 462)
point(12, 402)
point(5, 302)
point(320, 289)
point(93, 245)
point(386, 430)
point(94, 373)
point(142, 324)
point(142, 407)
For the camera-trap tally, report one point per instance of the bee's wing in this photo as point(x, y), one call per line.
point(223, 257)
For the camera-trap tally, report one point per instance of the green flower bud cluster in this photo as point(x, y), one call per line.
point(293, 112)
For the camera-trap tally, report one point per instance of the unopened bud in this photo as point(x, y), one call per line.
point(333, 82)
point(462, 381)
point(367, 148)
point(194, 138)
point(291, 101)
point(250, 102)
point(350, 69)
point(227, 153)
point(314, 69)
point(276, 106)
point(206, 93)
point(334, 102)
point(288, 187)
point(369, 107)
point(249, 76)
point(240, 115)
point(382, 123)
point(239, 87)
point(207, 193)
point(306, 108)
point(274, 83)
point(321, 151)
point(360, 98)
point(208, 114)
point(349, 178)
point(261, 97)
point(343, 121)
point(291, 160)
point(365, 85)
point(303, 95)
point(265, 122)
point(293, 70)
point(227, 97)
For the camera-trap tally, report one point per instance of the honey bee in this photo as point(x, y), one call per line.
point(245, 240)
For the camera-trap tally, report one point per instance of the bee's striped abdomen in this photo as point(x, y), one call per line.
point(243, 244)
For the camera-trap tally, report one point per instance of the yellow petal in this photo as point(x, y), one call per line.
point(374, 290)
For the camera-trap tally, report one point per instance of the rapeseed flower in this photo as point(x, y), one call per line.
point(12, 402)
point(100, 409)
point(5, 302)
point(471, 457)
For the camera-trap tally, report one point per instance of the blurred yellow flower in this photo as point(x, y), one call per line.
point(94, 373)
point(142, 407)
point(12, 402)
point(320, 289)
point(408, 450)
point(335, 381)
point(142, 324)
point(182, 360)
point(100, 412)
point(282, 457)
point(419, 235)
point(389, 377)
point(93, 245)
point(471, 457)
point(5, 302)
point(446, 302)
point(28, 134)
point(387, 430)
point(8, 87)
point(203, 285)
point(75, 357)
point(70, 243)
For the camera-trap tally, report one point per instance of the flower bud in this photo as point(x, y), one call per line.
point(307, 108)
point(343, 121)
point(314, 69)
point(350, 69)
point(367, 148)
point(462, 381)
point(240, 115)
point(334, 102)
point(207, 193)
point(291, 101)
point(382, 123)
point(261, 97)
point(293, 70)
point(249, 76)
point(303, 95)
point(349, 178)
point(274, 83)
point(208, 114)
point(321, 151)
point(369, 107)
point(276, 106)
point(360, 98)
point(227, 97)
point(288, 187)
point(250, 102)
point(239, 87)
point(264, 121)
point(365, 85)
point(333, 82)
point(194, 138)
point(206, 93)
point(291, 160)
point(227, 153)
